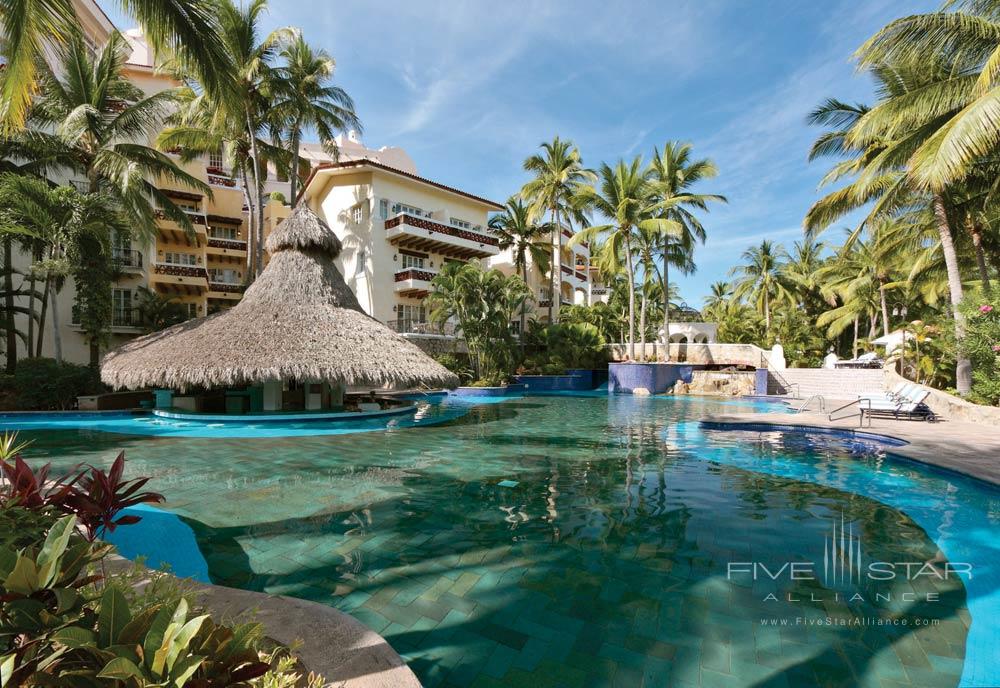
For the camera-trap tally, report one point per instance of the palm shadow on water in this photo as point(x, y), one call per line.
point(557, 582)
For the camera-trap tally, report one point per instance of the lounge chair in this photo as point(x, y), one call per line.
point(868, 360)
point(908, 403)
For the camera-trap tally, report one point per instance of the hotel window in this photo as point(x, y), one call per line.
point(417, 314)
point(215, 159)
point(412, 261)
point(224, 275)
point(383, 208)
point(357, 214)
point(408, 209)
point(180, 258)
point(122, 301)
point(461, 224)
point(192, 310)
point(359, 269)
point(221, 232)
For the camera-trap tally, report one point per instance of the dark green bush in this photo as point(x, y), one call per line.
point(42, 384)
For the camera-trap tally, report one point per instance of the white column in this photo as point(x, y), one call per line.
point(272, 396)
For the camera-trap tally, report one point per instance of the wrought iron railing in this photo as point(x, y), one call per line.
point(424, 223)
point(180, 270)
point(415, 274)
point(416, 326)
point(126, 258)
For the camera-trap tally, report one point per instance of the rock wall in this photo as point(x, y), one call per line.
point(436, 345)
point(718, 383)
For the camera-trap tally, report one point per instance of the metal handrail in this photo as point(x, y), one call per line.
point(858, 401)
point(822, 403)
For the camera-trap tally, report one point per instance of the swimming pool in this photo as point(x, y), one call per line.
point(597, 540)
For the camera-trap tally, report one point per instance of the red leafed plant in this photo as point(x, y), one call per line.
point(100, 496)
point(31, 489)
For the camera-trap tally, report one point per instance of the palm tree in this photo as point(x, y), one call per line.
point(626, 198)
point(305, 99)
point(962, 110)
point(879, 143)
point(95, 123)
point(719, 294)
point(559, 175)
point(760, 280)
point(68, 225)
point(183, 27)
point(675, 173)
point(517, 232)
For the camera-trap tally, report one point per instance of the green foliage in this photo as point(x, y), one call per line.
point(458, 364)
point(157, 312)
point(278, 197)
point(982, 346)
point(566, 345)
point(483, 302)
point(602, 316)
point(42, 384)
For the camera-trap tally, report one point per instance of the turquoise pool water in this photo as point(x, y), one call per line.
point(550, 541)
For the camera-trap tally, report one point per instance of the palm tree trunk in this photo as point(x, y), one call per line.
point(293, 181)
point(642, 326)
point(257, 189)
point(666, 302)
point(873, 325)
point(41, 317)
point(631, 297)
point(885, 308)
point(767, 312)
point(8, 285)
point(977, 242)
point(56, 335)
point(31, 306)
point(524, 306)
point(251, 219)
point(963, 367)
point(556, 263)
point(854, 345)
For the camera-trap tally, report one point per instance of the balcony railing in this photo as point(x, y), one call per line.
point(119, 317)
point(570, 271)
point(413, 326)
point(180, 270)
point(235, 244)
point(126, 258)
point(196, 216)
point(430, 225)
point(218, 285)
point(415, 274)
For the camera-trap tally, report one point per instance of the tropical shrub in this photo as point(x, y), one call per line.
point(62, 623)
point(458, 365)
point(565, 345)
point(43, 384)
point(982, 346)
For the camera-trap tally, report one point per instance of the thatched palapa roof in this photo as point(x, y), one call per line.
point(298, 320)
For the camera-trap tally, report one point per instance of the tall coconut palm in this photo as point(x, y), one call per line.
point(675, 173)
point(759, 279)
point(719, 294)
point(625, 196)
point(526, 241)
point(558, 175)
point(183, 27)
point(304, 99)
point(878, 143)
point(962, 109)
point(92, 121)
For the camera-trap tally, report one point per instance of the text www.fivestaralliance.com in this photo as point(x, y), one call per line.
point(849, 621)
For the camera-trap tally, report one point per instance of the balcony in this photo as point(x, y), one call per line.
point(574, 275)
point(421, 327)
point(217, 176)
point(127, 260)
point(172, 232)
point(421, 234)
point(236, 248)
point(415, 282)
point(185, 279)
point(582, 245)
point(121, 319)
point(218, 289)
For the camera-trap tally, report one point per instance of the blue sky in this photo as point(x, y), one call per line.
point(471, 88)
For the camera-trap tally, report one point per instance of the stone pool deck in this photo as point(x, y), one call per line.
point(972, 449)
point(340, 648)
